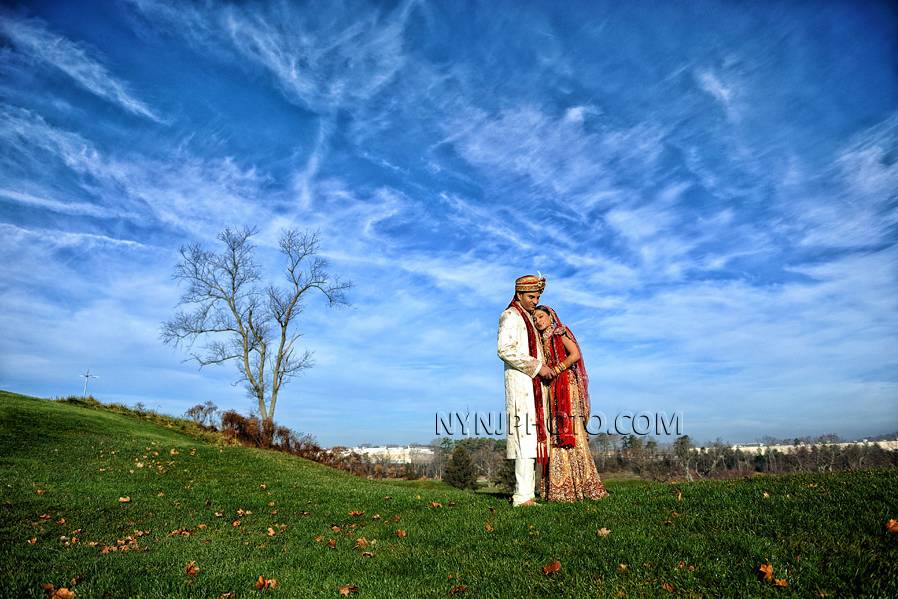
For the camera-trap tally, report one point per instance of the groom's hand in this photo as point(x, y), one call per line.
point(546, 372)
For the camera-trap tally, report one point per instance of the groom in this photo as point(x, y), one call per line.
point(520, 348)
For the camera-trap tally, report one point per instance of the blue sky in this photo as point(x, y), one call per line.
point(711, 188)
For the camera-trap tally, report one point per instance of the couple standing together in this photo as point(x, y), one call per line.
point(546, 400)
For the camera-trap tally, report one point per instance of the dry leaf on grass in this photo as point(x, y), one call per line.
point(355, 513)
point(124, 500)
point(892, 526)
point(266, 583)
point(603, 532)
point(459, 588)
point(667, 587)
point(191, 568)
point(488, 527)
point(552, 567)
point(53, 593)
point(401, 533)
point(765, 572)
point(346, 589)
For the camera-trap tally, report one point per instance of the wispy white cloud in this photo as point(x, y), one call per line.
point(724, 94)
point(34, 38)
point(323, 59)
point(75, 208)
point(185, 192)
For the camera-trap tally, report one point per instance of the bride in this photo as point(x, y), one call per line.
point(572, 471)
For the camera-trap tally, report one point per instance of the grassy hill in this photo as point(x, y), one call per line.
point(67, 469)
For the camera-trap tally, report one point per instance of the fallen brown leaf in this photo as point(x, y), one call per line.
point(765, 571)
point(667, 587)
point(346, 589)
point(401, 533)
point(361, 542)
point(892, 526)
point(266, 583)
point(124, 500)
point(488, 527)
point(622, 567)
point(552, 567)
point(603, 532)
point(367, 554)
point(32, 541)
point(271, 532)
point(191, 568)
point(332, 543)
point(459, 588)
point(355, 513)
point(235, 523)
point(780, 582)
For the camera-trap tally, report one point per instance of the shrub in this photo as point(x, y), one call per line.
point(460, 469)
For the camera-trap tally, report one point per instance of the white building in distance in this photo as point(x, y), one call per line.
point(407, 454)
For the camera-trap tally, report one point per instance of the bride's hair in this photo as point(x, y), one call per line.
point(543, 308)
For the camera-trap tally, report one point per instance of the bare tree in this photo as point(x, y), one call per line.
point(240, 319)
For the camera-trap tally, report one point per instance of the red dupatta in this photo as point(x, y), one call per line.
point(560, 402)
point(542, 449)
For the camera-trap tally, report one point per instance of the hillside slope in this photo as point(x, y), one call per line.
point(252, 513)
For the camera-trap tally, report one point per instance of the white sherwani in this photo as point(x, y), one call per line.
point(520, 368)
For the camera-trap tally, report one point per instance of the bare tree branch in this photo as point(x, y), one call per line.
point(242, 321)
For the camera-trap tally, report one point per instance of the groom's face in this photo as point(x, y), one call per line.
point(529, 300)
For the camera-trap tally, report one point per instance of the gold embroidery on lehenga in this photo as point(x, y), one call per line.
point(572, 471)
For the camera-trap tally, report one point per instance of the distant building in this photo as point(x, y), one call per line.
point(400, 454)
point(759, 448)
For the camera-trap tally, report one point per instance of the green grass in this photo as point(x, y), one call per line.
point(821, 532)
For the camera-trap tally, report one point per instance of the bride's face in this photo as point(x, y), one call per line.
point(541, 320)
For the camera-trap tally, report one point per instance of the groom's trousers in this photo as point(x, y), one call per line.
point(524, 480)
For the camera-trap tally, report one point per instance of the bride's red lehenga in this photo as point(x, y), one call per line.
point(572, 470)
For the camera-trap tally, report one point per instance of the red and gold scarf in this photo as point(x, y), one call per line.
point(560, 402)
